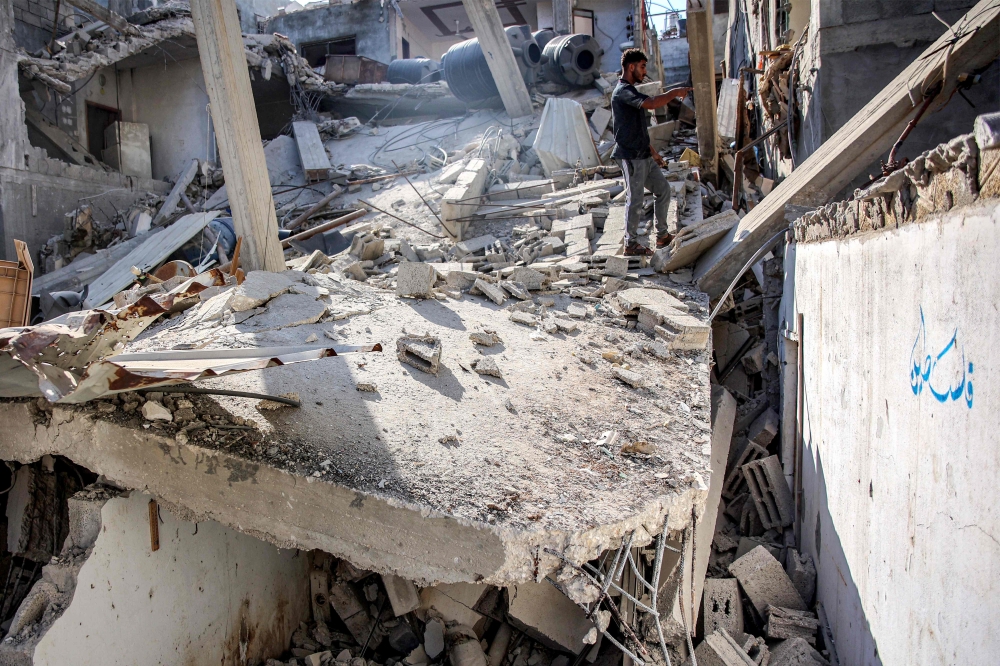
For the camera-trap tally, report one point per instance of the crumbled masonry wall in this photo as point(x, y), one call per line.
point(33, 201)
point(858, 47)
point(208, 596)
point(13, 133)
point(898, 292)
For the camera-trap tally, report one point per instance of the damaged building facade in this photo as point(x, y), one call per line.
point(322, 345)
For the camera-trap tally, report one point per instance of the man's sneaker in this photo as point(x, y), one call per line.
point(664, 240)
point(637, 250)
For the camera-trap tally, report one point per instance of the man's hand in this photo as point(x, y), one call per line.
point(657, 157)
point(665, 98)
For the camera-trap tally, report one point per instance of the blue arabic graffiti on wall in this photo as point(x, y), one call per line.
point(946, 374)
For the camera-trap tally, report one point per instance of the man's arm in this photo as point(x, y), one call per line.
point(665, 98)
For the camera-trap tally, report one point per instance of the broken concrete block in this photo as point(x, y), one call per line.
point(576, 311)
point(288, 310)
point(764, 428)
point(746, 544)
point(788, 623)
point(402, 639)
point(678, 330)
point(754, 360)
point(355, 272)
point(531, 279)
point(485, 338)
point(453, 602)
point(616, 266)
point(566, 325)
point(402, 595)
point(630, 300)
point(474, 245)
point(350, 607)
point(802, 572)
point(422, 352)
point(722, 606)
point(796, 652)
point(719, 649)
point(469, 653)
point(319, 658)
point(547, 615)
point(462, 199)
point(461, 279)
point(415, 279)
point(258, 288)
point(487, 366)
point(154, 411)
point(765, 582)
point(770, 492)
point(633, 379)
point(491, 291)
point(734, 477)
point(524, 318)
point(560, 228)
point(516, 290)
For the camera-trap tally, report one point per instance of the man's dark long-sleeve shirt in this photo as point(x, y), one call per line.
point(629, 117)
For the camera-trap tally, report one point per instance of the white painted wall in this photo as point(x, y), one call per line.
point(173, 102)
point(900, 487)
point(202, 599)
point(609, 31)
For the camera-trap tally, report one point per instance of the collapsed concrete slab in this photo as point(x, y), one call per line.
point(454, 477)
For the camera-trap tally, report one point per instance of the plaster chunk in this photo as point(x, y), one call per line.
point(258, 288)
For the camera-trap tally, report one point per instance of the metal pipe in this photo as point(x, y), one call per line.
point(309, 233)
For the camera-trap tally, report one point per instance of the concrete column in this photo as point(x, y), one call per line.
point(220, 45)
point(702, 54)
point(13, 132)
point(562, 16)
point(488, 28)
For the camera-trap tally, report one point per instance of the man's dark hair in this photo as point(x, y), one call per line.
point(630, 56)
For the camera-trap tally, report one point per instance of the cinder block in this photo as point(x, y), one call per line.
point(770, 492)
point(765, 582)
point(723, 609)
point(422, 352)
point(415, 279)
point(616, 266)
point(734, 479)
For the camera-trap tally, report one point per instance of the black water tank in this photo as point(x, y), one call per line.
point(468, 75)
point(573, 60)
point(414, 70)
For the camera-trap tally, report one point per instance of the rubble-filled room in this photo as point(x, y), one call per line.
point(515, 333)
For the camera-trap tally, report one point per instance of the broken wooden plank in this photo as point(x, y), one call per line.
point(170, 203)
point(315, 162)
point(869, 134)
point(157, 247)
point(85, 269)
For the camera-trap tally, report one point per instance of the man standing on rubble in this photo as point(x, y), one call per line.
point(640, 162)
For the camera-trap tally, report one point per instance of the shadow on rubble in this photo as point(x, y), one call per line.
point(445, 382)
point(835, 585)
point(435, 312)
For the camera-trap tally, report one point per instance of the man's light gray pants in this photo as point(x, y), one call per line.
point(646, 174)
